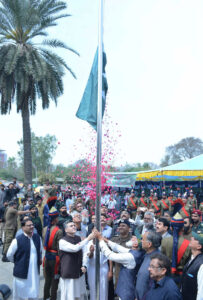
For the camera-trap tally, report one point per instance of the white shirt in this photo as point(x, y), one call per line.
point(123, 256)
point(68, 247)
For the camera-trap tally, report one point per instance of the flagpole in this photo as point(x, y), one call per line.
point(99, 144)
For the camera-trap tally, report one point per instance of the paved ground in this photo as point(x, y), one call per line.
point(6, 276)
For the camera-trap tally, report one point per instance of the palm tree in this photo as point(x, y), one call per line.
point(29, 70)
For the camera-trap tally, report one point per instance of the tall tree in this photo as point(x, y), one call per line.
point(28, 69)
point(42, 149)
point(185, 149)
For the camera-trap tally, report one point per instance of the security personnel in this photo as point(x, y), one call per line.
point(171, 197)
point(186, 208)
point(201, 207)
point(132, 204)
point(165, 203)
point(155, 204)
point(51, 234)
point(176, 247)
point(11, 216)
point(143, 201)
point(196, 220)
point(192, 200)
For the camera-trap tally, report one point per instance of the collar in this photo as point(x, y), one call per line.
point(27, 235)
point(159, 283)
point(105, 228)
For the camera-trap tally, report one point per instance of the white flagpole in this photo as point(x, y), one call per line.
point(99, 144)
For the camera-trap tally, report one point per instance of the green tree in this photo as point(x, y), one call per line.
point(12, 165)
point(29, 70)
point(44, 177)
point(185, 149)
point(42, 149)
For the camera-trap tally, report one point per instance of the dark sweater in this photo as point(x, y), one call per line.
point(71, 263)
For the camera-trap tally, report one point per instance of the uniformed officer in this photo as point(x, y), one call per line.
point(192, 200)
point(51, 235)
point(143, 201)
point(196, 220)
point(132, 204)
point(155, 204)
point(171, 197)
point(186, 207)
point(165, 204)
point(176, 247)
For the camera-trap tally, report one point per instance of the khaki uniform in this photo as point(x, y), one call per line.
point(171, 200)
point(132, 208)
point(10, 227)
point(167, 248)
point(51, 283)
point(193, 202)
point(165, 205)
point(121, 241)
point(185, 211)
point(156, 205)
point(40, 211)
point(143, 202)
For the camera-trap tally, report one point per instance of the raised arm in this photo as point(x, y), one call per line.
point(126, 259)
point(68, 247)
point(118, 248)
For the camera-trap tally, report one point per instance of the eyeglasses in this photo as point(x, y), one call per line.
point(154, 267)
point(30, 225)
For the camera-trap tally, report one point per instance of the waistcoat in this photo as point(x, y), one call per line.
point(22, 255)
point(71, 263)
point(189, 278)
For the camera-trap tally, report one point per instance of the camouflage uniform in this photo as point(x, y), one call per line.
point(201, 207)
point(198, 229)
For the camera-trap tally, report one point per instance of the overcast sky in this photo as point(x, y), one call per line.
point(155, 76)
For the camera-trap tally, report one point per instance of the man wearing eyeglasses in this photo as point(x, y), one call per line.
point(25, 252)
point(162, 286)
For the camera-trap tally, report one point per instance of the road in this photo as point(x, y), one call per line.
point(6, 276)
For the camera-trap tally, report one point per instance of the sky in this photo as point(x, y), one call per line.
point(155, 77)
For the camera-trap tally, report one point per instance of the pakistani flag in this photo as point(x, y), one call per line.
point(87, 110)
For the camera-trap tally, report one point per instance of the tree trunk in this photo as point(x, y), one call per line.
point(27, 145)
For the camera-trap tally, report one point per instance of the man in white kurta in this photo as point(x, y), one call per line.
point(26, 288)
point(90, 262)
point(72, 288)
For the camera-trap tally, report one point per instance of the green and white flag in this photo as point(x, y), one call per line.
point(87, 110)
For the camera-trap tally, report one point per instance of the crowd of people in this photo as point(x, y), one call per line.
point(150, 247)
